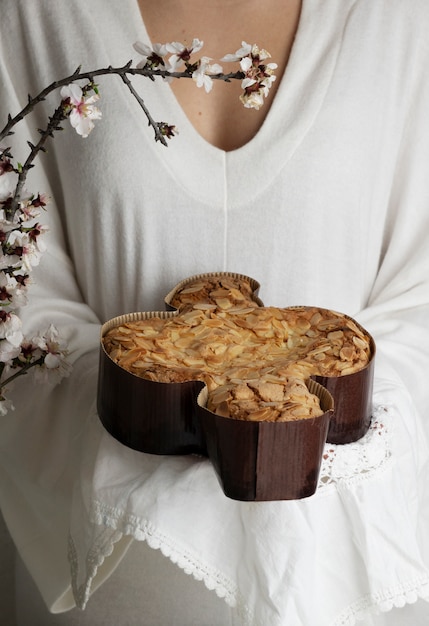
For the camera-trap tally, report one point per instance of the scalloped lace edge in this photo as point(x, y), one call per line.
point(384, 601)
point(102, 547)
point(370, 455)
point(371, 604)
point(119, 526)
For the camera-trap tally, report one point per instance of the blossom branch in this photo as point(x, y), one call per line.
point(53, 125)
point(20, 248)
point(158, 134)
point(122, 71)
point(24, 369)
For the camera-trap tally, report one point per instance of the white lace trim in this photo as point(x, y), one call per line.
point(385, 601)
point(361, 459)
point(348, 463)
point(119, 525)
point(101, 548)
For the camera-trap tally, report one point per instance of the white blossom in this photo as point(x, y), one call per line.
point(6, 225)
point(181, 54)
point(201, 76)
point(12, 293)
point(10, 328)
point(10, 261)
point(8, 351)
point(152, 57)
point(242, 52)
point(8, 182)
point(5, 407)
point(83, 109)
point(258, 75)
point(54, 347)
point(252, 100)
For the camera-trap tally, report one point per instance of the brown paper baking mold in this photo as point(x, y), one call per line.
point(258, 461)
point(253, 460)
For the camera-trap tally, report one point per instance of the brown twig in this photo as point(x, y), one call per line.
point(121, 71)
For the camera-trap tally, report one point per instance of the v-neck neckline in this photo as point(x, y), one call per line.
point(295, 106)
point(174, 102)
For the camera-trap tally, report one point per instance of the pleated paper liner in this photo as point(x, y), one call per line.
point(259, 461)
point(352, 395)
point(254, 285)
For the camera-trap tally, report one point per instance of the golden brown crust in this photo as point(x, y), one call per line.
point(222, 292)
point(255, 361)
point(265, 401)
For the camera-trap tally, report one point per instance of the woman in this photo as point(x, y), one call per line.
point(321, 195)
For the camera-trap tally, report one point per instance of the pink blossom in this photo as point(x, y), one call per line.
point(27, 211)
point(23, 249)
point(30, 208)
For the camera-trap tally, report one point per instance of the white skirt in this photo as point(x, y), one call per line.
point(146, 589)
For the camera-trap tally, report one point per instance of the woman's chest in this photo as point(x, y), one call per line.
point(218, 116)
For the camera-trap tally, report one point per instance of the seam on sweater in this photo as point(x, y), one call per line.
point(225, 214)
